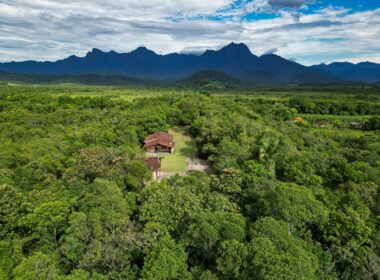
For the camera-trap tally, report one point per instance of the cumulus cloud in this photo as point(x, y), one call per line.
point(50, 30)
point(281, 4)
point(271, 51)
point(274, 6)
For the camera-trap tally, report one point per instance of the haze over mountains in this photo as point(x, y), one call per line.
point(235, 60)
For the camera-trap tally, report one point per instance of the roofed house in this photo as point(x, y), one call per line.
point(159, 142)
point(154, 164)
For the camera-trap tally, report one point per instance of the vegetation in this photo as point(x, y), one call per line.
point(285, 199)
point(84, 79)
point(211, 80)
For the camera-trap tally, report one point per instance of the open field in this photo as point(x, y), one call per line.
point(335, 117)
point(184, 148)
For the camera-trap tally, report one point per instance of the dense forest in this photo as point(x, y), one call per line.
point(287, 198)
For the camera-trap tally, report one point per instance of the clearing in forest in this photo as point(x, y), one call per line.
point(184, 158)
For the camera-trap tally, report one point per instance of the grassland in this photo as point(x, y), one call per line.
point(184, 149)
point(334, 117)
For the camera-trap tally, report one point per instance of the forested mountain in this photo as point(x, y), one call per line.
point(235, 60)
point(210, 79)
point(362, 72)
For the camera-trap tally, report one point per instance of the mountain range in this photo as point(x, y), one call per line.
point(234, 60)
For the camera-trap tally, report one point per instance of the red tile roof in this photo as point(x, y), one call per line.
point(153, 163)
point(159, 138)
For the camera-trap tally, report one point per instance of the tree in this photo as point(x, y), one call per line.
point(48, 222)
point(110, 164)
point(101, 237)
point(228, 154)
point(77, 238)
point(228, 182)
point(294, 204)
point(372, 124)
point(10, 210)
point(80, 274)
point(211, 227)
point(347, 233)
point(172, 207)
point(37, 267)
point(11, 254)
point(166, 260)
point(231, 257)
point(268, 147)
point(274, 252)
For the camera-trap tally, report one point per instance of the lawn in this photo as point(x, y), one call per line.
point(184, 148)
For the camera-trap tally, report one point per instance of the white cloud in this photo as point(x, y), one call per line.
point(52, 29)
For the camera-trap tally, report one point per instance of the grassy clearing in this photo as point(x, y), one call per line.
point(184, 148)
point(334, 117)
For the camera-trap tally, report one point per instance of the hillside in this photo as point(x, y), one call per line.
point(210, 79)
point(362, 72)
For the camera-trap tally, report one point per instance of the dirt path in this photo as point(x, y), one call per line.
point(195, 164)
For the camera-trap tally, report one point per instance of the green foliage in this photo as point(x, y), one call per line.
point(232, 255)
point(372, 124)
point(294, 204)
point(283, 201)
point(47, 222)
point(274, 251)
point(37, 267)
point(166, 260)
point(10, 209)
point(211, 227)
point(228, 182)
point(170, 206)
point(100, 236)
point(80, 274)
point(228, 154)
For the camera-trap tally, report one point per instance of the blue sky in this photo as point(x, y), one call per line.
point(313, 6)
point(308, 31)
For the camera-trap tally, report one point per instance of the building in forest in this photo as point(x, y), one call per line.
point(154, 164)
point(159, 142)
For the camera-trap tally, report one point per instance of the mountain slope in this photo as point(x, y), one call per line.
point(282, 70)
point(210, 79)
point(362, 72)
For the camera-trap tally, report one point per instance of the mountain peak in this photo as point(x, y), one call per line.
point(142, 51)
point(236, 48)
point(94, 52)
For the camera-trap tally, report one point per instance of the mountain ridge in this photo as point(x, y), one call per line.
point(357, 72)
point(235, 60)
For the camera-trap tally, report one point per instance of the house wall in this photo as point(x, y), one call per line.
point(150, 149)
point(164, 149)
point(161, 149)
